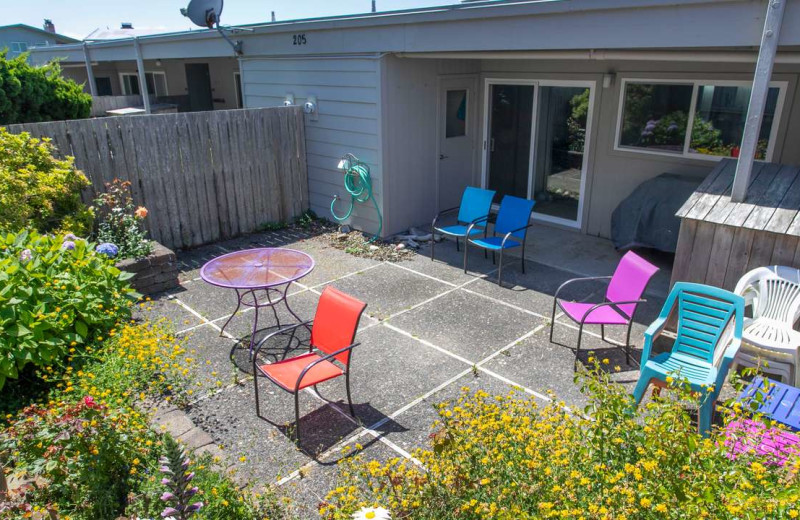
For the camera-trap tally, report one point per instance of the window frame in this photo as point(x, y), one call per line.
point(124, 89)
point(685, 153)
point(21, 47)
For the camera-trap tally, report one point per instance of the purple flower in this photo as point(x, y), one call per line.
point(25, 256)
point(170, 511)
point(68, 245)
point(70, 236)
point(108, 249)
point(672, 127)
point(167, 496)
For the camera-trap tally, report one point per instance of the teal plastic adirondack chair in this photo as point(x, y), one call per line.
point(709, 334)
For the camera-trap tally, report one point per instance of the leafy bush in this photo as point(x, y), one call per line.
point(91, 452)
point(121, 223)
point(508, 457)
point(31, 94)
point(37, 190)
point(55, 295)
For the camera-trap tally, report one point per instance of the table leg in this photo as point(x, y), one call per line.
point(286, 300)
point(255, 321)
point(238, 304)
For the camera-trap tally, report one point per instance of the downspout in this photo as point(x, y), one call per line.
point(142, 77)
point(89, 71)
point(758, 98)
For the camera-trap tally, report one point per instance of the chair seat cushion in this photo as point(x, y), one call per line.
point(285, 373)
point(770, 335)
point(458, 230)
point(602, 315)
point(494, 243)
point(680, 365)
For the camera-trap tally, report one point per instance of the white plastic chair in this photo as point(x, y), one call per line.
point(774, 293)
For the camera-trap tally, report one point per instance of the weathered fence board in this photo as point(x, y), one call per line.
point(204, 176)
point(102, 104)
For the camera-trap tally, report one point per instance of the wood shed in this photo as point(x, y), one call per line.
point(720, 240)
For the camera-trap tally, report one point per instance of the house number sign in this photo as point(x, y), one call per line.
point(298, 39)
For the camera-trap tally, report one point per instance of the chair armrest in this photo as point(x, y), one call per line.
point(614, 306)
point(433, 224)
point(508, 235)
point(586, 279)
point(473, 224)
point(320, 360)
point(279, 331)
point(652, 331)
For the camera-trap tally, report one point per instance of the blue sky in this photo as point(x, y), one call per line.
point(77, 18)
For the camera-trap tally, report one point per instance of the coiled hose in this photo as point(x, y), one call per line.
point(358, 184)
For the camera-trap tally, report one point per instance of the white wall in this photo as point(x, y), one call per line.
point(348, 94)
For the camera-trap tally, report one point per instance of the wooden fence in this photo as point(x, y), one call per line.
point(203, 176)
point(102, 104)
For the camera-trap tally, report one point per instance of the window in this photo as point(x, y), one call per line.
point(156, 83)
point(103, 85)
point(456, 114)
point(698, 119)
point(19, 46)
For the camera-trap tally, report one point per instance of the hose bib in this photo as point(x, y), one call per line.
point(358, 184)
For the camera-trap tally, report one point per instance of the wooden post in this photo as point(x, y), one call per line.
point(89, 71)
point(142, 76)
point(758, 98)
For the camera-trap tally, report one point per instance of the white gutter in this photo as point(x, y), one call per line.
point(603, 55)
point(758, 98)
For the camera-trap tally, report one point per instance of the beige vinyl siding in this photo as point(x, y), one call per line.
point(348, 96)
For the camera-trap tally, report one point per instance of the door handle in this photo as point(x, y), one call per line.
point(442, 156)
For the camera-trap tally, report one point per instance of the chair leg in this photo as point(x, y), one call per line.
point(553, 319)
point(349, 398)
point(641, 388)
point(628, 343)
point(466, 246)
point(494, 258)
point(578, 347)
point(704, 416)
point(522, 259)
point(433, 244)
point(457, 247)
point(602, 332)
point(255, 384)
point(297, 416)
point(500, 270)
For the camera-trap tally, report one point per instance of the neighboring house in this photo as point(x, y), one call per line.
point(571, 102)
point(18, 38)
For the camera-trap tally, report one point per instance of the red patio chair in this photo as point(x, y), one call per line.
point(333, 332)
point(623, 296)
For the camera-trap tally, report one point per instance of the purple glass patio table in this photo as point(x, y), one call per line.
point(261, 278)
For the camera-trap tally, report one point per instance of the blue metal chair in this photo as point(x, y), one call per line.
point(473, 214)
point(709, 333)
point(513, 221)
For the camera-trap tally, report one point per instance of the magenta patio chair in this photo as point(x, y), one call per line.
point(623, 296)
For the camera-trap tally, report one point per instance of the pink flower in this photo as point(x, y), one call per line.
point(88, 401)
point(141, 212)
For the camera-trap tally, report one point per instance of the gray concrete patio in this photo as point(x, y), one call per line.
point(429, 330)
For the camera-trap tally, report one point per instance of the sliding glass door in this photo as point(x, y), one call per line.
point(536, 143)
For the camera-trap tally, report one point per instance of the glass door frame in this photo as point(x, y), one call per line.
point(537, 83)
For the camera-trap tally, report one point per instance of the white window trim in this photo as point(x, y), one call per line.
point(237, 91)
point(136, 75)
point(21, 47)
point(695, 84)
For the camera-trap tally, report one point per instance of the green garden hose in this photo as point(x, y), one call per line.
point(358, 184)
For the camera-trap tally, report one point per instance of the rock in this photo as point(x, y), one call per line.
point(344, 228)
point(373, 247)
point(412, 244)
point(341, 236)
point(400, 246)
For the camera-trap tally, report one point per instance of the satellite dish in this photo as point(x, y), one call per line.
point(204, 13)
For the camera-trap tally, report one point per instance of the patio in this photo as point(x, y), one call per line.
point(429, 330)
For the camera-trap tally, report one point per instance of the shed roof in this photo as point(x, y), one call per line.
point(772, 203)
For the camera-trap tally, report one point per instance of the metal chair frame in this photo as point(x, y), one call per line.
point(502, 247)
point(434, 229)
point(296, 392)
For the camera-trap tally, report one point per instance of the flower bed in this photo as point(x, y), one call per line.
point(508, 457)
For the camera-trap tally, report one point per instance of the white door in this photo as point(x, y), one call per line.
point(457, 105)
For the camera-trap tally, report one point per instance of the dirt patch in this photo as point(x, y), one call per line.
point(358, 244)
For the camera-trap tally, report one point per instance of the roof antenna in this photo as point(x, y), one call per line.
point(206, 13)
point(373, 6)
point(273, 16)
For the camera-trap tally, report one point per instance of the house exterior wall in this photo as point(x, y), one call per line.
point(29, 37)
point(411, 122)
point(221, 70)
point(348, 94)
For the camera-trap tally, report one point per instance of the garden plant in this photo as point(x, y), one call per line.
point(512, 457)
point(120, 222)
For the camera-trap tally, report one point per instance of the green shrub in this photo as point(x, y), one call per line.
point(120, 222)
point(510, 457)
point(31, 94)
point(55, 294)
point(37, 190)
